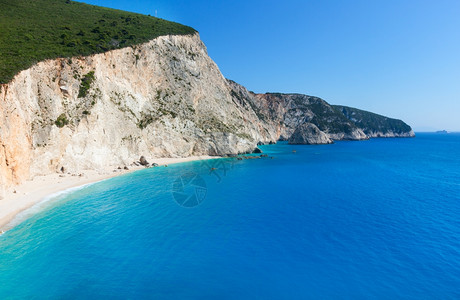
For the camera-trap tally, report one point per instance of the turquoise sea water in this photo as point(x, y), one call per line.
point(354, 220)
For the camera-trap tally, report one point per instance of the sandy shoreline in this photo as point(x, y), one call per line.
point(22, 197)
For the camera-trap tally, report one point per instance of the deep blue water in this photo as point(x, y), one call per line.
point(353, 220)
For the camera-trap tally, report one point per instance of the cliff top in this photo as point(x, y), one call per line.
point(32, 31)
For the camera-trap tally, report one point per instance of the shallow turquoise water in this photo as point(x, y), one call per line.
point(353, 220)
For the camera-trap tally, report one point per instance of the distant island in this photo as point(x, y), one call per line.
point(97, 88)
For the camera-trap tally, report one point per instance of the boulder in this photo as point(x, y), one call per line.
point(257, 150)
point(309, 134)
point(143, 161)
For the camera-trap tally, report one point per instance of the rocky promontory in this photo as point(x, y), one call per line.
point(375, 125)
point(309, 134)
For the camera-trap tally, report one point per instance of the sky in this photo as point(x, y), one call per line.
point(399, 58)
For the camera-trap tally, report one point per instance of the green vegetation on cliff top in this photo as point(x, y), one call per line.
point(371, 122)
point(32, 31)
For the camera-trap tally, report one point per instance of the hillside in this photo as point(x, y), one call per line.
point(32, 31)
point(165, 97)
point(375, 125)
point(284, 113)
point(313, 120)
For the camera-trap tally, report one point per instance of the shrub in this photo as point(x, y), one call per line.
point(85, 84)
point(61, 121)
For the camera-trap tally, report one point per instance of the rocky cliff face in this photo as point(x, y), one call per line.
point(164, 98)
point(375, 125)
point(309, 134)
point(292, 110)
point(283, 114)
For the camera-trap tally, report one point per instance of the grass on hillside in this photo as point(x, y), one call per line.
point(35, 30)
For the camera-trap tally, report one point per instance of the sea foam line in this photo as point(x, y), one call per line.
point(42, 204)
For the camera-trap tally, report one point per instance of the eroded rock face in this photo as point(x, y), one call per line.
point(374, 125)
point(309, 134)
point(164, 98)
point(284, 113)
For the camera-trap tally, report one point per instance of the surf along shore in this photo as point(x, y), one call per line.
point(19, 198)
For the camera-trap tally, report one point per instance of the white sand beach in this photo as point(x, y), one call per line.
point(19, 198)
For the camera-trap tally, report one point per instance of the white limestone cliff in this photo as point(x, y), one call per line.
point(165, 98)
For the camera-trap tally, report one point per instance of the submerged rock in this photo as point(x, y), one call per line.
point(309, 134)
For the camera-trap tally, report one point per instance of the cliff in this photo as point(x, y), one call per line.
point(163, 98)
point(33, 31)
point(309, 134)
point(375, 125)
point(292, 110)
point(315, 121)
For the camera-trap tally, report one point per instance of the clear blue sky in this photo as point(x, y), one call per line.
point(400, 58)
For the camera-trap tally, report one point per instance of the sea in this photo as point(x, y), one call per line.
point(376, 219)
